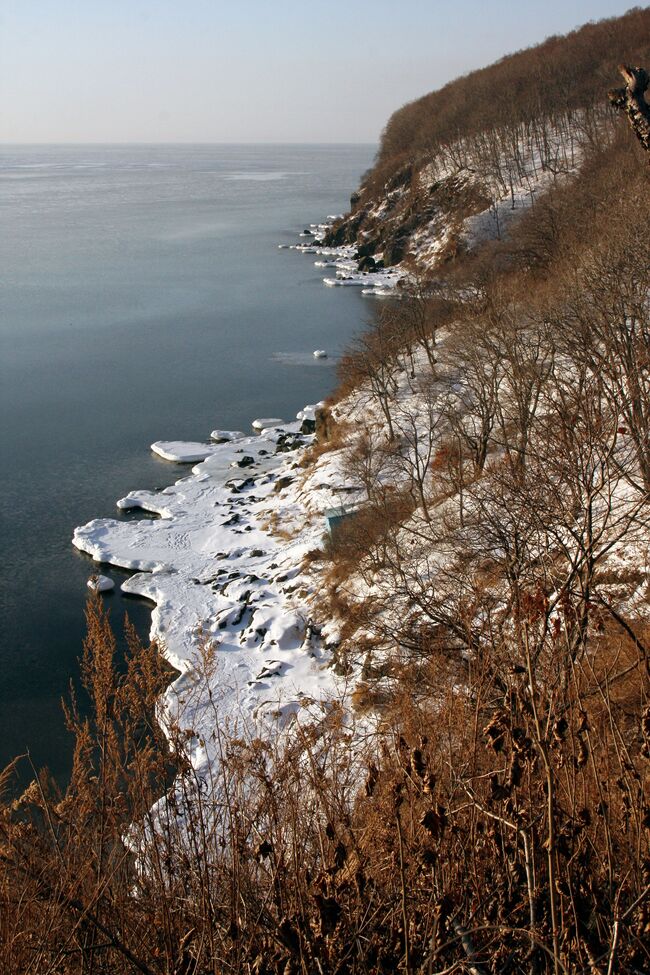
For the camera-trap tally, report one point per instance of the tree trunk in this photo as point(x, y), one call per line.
point(631, 100)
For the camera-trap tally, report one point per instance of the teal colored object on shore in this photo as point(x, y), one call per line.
point(334, 517)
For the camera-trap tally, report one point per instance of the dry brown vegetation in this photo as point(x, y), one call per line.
point(500, 827)
point(490, 813)
point(544, 453)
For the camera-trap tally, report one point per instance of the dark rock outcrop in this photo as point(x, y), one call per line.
point(367, 264)
point(324, 424)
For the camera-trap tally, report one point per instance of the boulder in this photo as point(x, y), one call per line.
point(367, 264)
point(369, 248)
point(282, 483)
point(344, 232)
point(395, 249)
point(236, 484)
point(324, 424)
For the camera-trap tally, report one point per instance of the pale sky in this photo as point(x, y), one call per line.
point(248, 70)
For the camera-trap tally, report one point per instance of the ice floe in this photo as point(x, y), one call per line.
point(100, 583)
point(223, 436)
point(309, 412)
point(267, 422)
point(182, 452)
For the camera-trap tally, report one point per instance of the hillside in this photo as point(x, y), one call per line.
point(489, 586)
point(455, 167)
point(418, 741)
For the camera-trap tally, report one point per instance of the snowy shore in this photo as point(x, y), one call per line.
point(344, 261)
point(223, 561)
point(222, 564)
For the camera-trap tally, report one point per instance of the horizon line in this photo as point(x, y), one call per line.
point(188, 142)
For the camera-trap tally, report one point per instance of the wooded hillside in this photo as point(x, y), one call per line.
point(563, 74)
point(459, 166)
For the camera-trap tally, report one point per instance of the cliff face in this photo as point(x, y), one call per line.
point(456, 167)
point(389, 223)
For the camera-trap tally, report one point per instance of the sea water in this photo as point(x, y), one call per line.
point(143, 297)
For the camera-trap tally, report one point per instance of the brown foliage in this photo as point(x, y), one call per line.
point(486, 831)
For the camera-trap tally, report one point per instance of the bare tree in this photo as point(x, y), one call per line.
point(608, 329)
point(419, 424)
point(474, 378)
point(523, 343)
point(373, 359)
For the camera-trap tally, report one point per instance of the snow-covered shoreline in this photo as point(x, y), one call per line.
point(223, 561)
point(344, 259)
point(222, 565)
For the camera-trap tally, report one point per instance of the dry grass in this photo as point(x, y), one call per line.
point(427, 848)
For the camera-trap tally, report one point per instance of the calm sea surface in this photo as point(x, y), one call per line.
point(143, 297)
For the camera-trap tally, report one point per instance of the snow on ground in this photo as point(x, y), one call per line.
point(225, 577)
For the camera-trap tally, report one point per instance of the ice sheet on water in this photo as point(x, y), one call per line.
point(100, 583)
point(260, 177)
point(267, 422)
point(181, 451)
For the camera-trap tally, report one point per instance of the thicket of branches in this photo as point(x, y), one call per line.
point(502, 829)
point(517, 424)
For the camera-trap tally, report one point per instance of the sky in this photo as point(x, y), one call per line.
point(248, 70)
